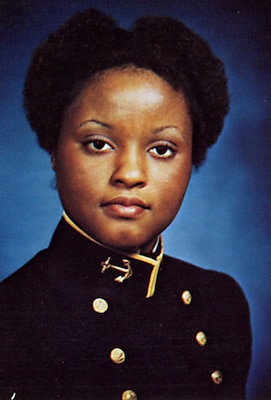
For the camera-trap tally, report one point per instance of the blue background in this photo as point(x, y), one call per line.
point(225, 221)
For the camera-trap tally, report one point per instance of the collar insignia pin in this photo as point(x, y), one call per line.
point(127, 270)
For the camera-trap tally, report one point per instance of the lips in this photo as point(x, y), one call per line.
point(125, 207)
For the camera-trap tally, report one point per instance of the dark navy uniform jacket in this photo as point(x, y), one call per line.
point(69, 331)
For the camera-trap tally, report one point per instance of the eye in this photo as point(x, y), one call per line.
point(163, 150)
point(98, 146)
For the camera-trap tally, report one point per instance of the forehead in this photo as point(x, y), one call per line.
point(130, 88)
point(133, 85)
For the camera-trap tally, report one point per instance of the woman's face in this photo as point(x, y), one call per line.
point(123, 159)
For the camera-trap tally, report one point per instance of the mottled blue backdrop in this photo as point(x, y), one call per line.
point(225, 221)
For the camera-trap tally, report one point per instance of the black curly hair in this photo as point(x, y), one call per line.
point(91, 42)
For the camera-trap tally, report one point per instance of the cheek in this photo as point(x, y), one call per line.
point(172, 182)
point(171, 198)
point(80, 177)
point(172, 190)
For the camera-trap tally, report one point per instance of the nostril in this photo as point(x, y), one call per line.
point(130, 183)
point(129, 172)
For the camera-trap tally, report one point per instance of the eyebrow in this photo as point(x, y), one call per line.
point(94, 121)
point(163, 128)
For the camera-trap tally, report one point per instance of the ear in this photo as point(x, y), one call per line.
point(53, 160)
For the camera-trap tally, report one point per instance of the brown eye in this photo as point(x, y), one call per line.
point(98, 146)
point(163, 151)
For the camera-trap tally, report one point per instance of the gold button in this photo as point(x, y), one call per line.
point(129, 395)
point(186, 297)
point(201, 338)
point(100, 305)
point(216, 377)
point(117, 355)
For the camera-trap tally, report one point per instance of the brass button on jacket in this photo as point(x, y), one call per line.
point(117, 355)
point(186, 297)
point(217, 377)
point(100, 305)
point(201, 338)
point(129, 395)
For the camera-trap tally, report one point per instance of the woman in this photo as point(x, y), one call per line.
point(103, 313)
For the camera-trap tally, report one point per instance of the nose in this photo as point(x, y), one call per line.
point(130, 169)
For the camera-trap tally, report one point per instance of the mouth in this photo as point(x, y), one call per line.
point(125, 207)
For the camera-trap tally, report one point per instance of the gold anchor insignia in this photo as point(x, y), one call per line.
point(127, 270)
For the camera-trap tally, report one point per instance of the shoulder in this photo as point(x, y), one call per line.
point(25, 281)
point(211, 290)
point(198, 276)
point(35, 264)
point(179, 269)
point(39, 269)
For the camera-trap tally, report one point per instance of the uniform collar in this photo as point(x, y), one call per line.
point(153, 261)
